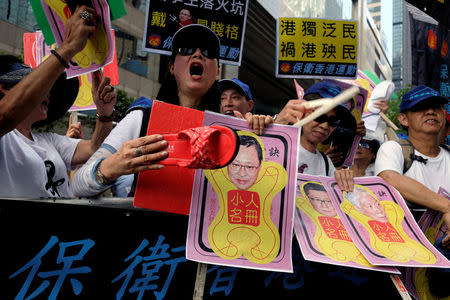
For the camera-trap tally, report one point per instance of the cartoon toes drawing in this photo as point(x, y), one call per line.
point(246, 189)
point(96, 50)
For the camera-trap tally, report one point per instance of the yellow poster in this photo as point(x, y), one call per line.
point(317, 48)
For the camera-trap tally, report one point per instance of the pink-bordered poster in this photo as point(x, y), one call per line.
point(319, 230)
point(381, 225)
point(241, 215)
point(98, 52)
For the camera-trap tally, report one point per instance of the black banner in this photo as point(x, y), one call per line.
point(437, 9)
point(226, 18)
point(430, 56)
point(86, 251)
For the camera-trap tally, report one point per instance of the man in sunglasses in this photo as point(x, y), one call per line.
point(311, 161)
point(422, 114)
point(363, 163)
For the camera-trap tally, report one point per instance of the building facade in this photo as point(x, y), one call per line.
point(141, 73)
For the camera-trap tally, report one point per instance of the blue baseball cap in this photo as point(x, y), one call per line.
point(236, 84)
point(419, 94)
point(326, 89)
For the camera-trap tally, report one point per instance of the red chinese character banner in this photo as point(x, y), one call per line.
point(241, 215)
point(226, 18)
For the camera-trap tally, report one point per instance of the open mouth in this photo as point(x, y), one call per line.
point(229, 112)
point(431, 121)
point(196, 70)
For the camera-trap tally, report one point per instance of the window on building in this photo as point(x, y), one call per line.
point(18, 12)
point(139, 4)
point(129, 54)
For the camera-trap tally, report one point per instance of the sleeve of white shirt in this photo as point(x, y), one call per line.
point(84, 182)
point(389, 157)
point(331, 167)
point(65, 146)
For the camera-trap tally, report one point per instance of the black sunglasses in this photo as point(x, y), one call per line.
point(332, 121)
point(364, 144)
point(211, 54)
point(424, 105)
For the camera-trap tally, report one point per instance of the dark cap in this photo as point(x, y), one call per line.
point(196, 35)
point(326, 89)
point(419, 94)
point(236, 84)
point(62, 95)
point(13, 72)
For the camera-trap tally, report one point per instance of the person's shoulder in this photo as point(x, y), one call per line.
point(142, 103)
point(48, 135)
point(445, 149)
point(390, 145)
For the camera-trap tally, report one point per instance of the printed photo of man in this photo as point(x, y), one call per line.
point(244, 169)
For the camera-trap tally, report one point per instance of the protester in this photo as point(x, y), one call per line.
point(74, 130)
point(36, 97)
point(422, 114)
point(363, 163)
point(235, 96)
point(310, 160)
point(194, 70)
point(236, 100)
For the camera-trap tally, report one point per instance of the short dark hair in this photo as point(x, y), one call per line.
point(248, 141)
point(313, 186)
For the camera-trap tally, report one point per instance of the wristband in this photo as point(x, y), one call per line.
point(107, 118)
point(61, 60)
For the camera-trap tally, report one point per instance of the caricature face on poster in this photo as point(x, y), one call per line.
point(383, 228)
point(241, 215)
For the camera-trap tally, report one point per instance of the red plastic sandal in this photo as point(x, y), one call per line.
point(208, 147)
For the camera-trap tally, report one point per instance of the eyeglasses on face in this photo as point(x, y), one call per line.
point(332, 121)
point(236, 167)
point(320, 201)
point(364, 144)
point(191, 50)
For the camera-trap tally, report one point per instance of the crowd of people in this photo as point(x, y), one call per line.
point(32, 97)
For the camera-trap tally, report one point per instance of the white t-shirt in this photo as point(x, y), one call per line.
point(434, 174)
point(313, 163)
point(35, 168)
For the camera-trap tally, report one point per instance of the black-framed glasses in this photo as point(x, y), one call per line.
point(209, 53)
point(332, 121)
